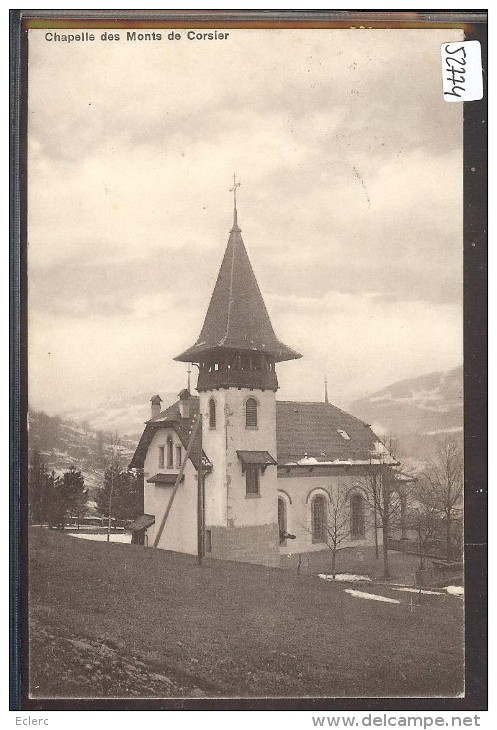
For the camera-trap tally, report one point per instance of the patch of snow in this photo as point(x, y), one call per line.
point(379, 398)
point(311, 461)
point(350, 577)
point(416, 590)
point(455, 429)
point(455, 590)
point(380, 448)
point(370, 596)
point(102, 536)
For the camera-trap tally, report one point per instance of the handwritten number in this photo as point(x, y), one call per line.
point(453, 53)
point(455, 61)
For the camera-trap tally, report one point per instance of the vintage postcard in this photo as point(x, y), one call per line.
point(245, 360)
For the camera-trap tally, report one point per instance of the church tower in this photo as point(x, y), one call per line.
point(236, 354)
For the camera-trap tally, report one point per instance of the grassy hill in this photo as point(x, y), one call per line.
point(117, 620)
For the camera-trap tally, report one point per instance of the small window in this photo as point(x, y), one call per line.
point(161, 457)
point(208, 541)
point(343, 434)
point(251, 413)
point(212, 413)
point(169, 453)
point(179, 457)
point(252, 479)
point(318, 517)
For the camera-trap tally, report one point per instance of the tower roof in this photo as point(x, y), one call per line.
point(237, 317)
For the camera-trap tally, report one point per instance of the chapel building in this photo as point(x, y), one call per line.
point(271, 469)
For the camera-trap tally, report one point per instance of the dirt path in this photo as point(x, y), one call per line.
point(65, 666)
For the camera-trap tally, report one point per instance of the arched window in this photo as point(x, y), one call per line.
point(282, 520)
point(318, 516)
point(251, 413)
point(357, 526)
point(169, 451)
point(212, 413)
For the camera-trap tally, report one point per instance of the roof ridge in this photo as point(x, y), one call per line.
point(230, 294)
point(321, 403)
point(309, 402)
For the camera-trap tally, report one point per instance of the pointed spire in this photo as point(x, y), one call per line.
point(237, 318)
point(235, 212)
point(326, 390)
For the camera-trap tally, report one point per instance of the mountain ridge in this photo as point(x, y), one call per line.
point(418, 412)
point(424, 405)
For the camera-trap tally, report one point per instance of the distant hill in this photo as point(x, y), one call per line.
point(418, 411)
point(126, 415)
point(63, 444)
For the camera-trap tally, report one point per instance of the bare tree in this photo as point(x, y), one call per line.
point(37, 491)
point(111, 475)
point(424, 521)
point(441, 487)
point(386, 495)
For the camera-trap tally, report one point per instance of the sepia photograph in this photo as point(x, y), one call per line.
point(245, 363)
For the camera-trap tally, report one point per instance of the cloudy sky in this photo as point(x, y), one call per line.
point(351, 206)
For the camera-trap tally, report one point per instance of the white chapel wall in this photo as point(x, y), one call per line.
point(298, 491)
point(180, 531)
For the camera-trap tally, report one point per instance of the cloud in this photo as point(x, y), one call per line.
point(362, 342)
point(351, 170)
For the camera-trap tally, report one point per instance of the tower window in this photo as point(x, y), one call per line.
point(169, 452)
point(179, 457)
point(252, 479)
point(357, 525)
point(212, 413)
point(161, 457)
point(251, 413)
point(318, 518)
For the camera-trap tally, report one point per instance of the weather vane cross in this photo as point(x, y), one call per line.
point(235, 186)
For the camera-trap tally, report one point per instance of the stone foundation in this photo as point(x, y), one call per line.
point(251, 544)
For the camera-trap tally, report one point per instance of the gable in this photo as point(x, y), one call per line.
point(170, 419)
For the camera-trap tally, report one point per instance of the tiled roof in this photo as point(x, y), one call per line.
point(141, 522)
point(305, 432)
point(312, 430)
point(259, 458)
point(167, 479)
point(237, 317)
